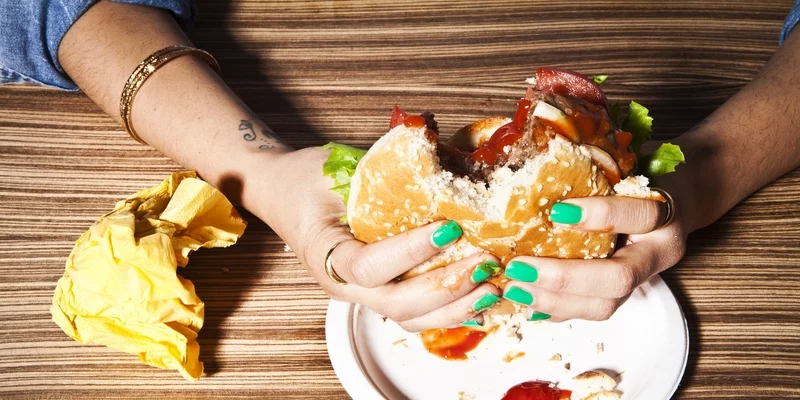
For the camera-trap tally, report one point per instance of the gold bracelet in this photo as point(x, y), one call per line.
point(144, 70)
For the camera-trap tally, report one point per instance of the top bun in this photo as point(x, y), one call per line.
point(400, 185)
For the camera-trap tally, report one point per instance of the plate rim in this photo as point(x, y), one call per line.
point(341, 318)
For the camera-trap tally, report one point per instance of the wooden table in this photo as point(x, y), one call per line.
point(318, 71)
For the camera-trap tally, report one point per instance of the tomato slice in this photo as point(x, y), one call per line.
point(398, 117)
point(568, 83)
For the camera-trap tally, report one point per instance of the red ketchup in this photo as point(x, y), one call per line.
point(536, 390)
point(413, 121)
point(452, 343)
point(506, 135)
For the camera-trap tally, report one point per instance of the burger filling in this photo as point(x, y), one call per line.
point(561, 103)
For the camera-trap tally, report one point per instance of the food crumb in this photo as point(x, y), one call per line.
point(555, 357)
point(513, 355)
point(620, 373)
point(567, 366)
point(600, 348)
point(384, 319)
point(226, 270)
point(466, 396)
point(396, 342)
point(286, 248)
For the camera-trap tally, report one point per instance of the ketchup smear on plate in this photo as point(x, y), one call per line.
point(452, 343)
point(536, 390)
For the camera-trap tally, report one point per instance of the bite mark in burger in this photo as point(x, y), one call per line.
point(499, 177)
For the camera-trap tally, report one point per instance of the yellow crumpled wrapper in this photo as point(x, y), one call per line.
point(121, 288)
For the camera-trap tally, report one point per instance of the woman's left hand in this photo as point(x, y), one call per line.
point(594, 289)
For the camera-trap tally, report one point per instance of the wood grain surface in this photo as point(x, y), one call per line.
point(318, 71)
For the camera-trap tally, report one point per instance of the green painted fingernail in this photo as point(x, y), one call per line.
point(565, 213)
point(538, 316)
point(448, 233)
point(486, 301)
point(484, 271)
point(519, 295)
point(520, 271)
point(471, 322)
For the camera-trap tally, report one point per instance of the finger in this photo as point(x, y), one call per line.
point(477, 301)
point(610, 214)
point(377, 263)
point(613, 277)
point(560, 306)
point(402, 301)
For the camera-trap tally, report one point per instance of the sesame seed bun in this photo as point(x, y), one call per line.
point(399, 185)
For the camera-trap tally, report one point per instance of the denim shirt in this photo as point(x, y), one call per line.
point(32, 31)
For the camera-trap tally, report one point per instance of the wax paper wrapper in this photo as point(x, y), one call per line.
point(121, 288)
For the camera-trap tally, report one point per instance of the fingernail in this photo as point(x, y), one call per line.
point(519, 295)
point(523, 272)
point(448, 233)
point(538, 316)
point(484, 271)
point(486, 301)
point(471, 322)
point(565, 213)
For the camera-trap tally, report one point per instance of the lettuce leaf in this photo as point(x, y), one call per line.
point(640, 124)
point(599, 79)
point(663, 160)
point(341, 165)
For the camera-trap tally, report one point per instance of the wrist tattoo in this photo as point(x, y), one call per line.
point(265, 141)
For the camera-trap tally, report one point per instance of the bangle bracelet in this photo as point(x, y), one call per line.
point(144, 70)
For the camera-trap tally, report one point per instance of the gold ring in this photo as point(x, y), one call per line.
point(329, 266)
point(670, 206)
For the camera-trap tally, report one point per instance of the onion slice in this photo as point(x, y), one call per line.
point(606, 164)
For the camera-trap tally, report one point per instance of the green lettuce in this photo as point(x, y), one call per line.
point(599, 79)
point(341, 165)
point(640, 124)
point(662, 161)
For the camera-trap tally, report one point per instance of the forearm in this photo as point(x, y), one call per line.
point(751, 140)
point(184, 109)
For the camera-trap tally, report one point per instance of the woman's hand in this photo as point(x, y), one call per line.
point(593, 289)
point(298, 204)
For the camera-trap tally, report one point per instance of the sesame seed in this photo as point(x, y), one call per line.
point(540, 214)
point(522, 202)
point(596, 247)
point(566, 164)
point(379, 238)
point(419, 167)
point(381, 214)
point(416, 187)
point(423, 208)
point(541, 228)
point(551, 178)
point(542, 202)
point(386, 224)
point(403, 228)
point(586, 242)
point(389, 234)
point(375, 214)
point(396, 211)
point(380, 202)
point(549, 240)
point(604, 255)
point(408, 187)
point(558, 240)
point(564, 193)
point(589, 182)
point(407, 205)
point(584, 251)
point(413, 220)
point(562, 250)
point(371, 199)
point(602, 235)
point(587, 257)
point(539, 187)
point(594, 169)
point(504, 225)
point(547, 211)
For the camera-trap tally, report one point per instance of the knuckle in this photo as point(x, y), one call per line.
point(626, 279)
point(604, 310)
point(362, 271)
point(559, 279)
point(603, 213)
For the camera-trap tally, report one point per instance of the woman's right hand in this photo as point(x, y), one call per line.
point(296, 201)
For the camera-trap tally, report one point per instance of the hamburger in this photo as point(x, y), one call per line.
point(499, 177)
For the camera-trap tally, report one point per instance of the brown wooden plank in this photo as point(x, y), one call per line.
point(331, 70)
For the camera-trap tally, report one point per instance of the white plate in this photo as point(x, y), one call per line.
point(646, 340)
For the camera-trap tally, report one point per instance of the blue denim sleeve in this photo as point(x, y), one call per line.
point(33, 29)
point(791, 20)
